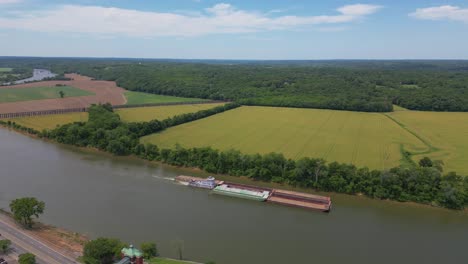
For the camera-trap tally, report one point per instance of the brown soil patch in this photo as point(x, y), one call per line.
point(64, 241)
point(105, 92)
point(69, 242)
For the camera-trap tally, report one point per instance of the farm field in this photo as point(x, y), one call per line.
point(140, 114)
point(136, 98)
point(101, 92)
point(6, 69)
point(40, 123)
point(38, 93)
point(363, 139)
point(447, 133)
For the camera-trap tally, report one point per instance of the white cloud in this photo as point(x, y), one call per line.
point(446, 12)
point(9, 1)
point(219, 19)
point(359, 9)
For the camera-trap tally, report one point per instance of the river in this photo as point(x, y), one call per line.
point(38, 75)
point(100, 195)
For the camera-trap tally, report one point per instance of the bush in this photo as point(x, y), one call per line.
point(27, 258)
point(149, 250)
point(102, 250)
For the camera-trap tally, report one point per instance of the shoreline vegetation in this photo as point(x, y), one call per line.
point(422, 183)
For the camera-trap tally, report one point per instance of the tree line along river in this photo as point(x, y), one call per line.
point(100, 195)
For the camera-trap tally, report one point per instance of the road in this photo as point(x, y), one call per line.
point(23, 242)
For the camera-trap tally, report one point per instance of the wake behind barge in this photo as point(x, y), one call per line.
point(278, 196)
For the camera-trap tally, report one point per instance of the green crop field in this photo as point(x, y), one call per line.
point(50, 121)
point(140, 114)
point(136, 98)
point(128, 115)
point(38, 93)
point(445, 133)
point(5, 70)
point(364, 139)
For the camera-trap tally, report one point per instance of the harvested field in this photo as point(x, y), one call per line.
point(363, 139)
point(140, 114)
point(39, 93)
point(104, 92)
point(136, 98)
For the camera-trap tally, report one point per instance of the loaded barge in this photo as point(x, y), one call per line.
point(278, 196)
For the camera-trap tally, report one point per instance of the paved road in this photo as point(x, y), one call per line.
point(23, 242)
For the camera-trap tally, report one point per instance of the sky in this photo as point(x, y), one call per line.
point(236, 29)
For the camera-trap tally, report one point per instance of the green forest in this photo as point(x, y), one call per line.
point(370, 86)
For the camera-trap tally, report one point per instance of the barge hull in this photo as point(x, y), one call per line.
point(300, 204)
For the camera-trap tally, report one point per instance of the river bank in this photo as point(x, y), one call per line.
point(62, 240)
point(236, 179)
point(65, 241)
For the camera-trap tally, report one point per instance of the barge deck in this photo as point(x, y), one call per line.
point(303, 200)
point(278, 196)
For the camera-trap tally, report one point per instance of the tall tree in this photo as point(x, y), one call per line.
point(24, 209)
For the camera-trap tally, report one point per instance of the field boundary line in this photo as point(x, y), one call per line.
point(407, 155)
point(431, 147)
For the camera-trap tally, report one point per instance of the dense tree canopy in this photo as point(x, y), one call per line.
point(24, 209)
point(371, 86)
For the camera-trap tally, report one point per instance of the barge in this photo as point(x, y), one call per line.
point(303, 200)
point(233, 191)
point(262, 194)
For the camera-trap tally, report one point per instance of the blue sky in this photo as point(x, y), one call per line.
point(236, 29)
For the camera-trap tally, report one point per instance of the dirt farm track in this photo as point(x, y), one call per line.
point(105, 92)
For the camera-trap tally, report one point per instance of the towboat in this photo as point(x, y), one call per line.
point(208, 183)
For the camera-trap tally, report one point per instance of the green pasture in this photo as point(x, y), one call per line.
point(38, 93)
point(5, 70)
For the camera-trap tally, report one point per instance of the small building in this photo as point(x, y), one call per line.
point(131, 255)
